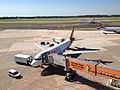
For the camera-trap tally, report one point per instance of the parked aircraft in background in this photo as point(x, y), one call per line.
point(108, 29)
point(89, 21)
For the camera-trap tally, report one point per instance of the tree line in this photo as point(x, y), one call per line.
point(80, 16)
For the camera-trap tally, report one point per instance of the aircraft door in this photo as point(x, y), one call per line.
point(47, 58)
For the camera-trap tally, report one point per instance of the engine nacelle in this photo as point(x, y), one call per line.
point(58, 39)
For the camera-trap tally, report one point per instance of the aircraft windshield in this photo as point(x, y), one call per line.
point(40, 58)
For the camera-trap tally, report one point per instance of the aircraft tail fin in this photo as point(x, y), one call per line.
point(71, 36)
point(100, 26)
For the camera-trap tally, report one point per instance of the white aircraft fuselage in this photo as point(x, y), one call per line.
point(111, 29)
point(59, 49)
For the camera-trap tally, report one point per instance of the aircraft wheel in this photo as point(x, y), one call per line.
point(69, 77)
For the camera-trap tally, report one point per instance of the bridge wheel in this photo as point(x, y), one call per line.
point(68, 78)
point(70, 75)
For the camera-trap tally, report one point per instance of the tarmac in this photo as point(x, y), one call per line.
point(16, 41)
point(62, 26)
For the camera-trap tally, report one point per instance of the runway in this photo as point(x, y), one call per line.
point(61, 26)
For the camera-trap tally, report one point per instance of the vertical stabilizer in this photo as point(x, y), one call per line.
point(71, 36)
point(100, 26)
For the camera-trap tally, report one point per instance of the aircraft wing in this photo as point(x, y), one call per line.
point(79, 52)
point(43, 47)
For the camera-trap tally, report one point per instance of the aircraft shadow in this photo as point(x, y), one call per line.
point(84, 48)
point(93, 84)
point(51, 70)
point(59, 70)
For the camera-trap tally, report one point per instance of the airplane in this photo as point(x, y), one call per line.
point(90, 21)
point(58, 48)
point(58, 39)
point(108, 29)
point(72, 65)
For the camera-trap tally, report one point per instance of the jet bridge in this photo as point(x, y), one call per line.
point(93, 67)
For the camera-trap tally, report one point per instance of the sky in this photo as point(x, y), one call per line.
point(58, 7)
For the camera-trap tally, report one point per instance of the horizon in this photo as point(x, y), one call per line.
point(28, 8)
point(62, 16)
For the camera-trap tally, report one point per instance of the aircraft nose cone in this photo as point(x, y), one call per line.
point(36, 63)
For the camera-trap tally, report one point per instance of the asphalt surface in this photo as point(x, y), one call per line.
point(81, 24)
point(49, 27)
point(16, 41)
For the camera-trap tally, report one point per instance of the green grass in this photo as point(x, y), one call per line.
point(53, 21)
point(40, 21)
point(108, 18)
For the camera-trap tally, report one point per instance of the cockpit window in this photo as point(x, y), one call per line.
point(38, 58)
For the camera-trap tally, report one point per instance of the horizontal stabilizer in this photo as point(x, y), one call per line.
point(38, 44)
point(79, 52)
